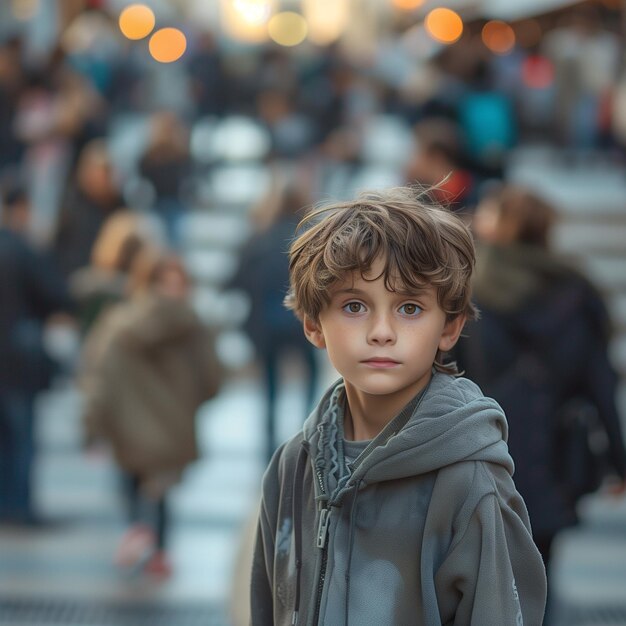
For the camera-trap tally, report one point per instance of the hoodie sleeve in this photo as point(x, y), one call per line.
point(261, 595)
point(493, 574)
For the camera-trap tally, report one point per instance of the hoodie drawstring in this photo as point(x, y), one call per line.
point(296, 510)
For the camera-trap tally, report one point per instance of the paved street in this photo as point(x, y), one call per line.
point(64, 574)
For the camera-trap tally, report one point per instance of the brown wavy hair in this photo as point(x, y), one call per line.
point(421, 242)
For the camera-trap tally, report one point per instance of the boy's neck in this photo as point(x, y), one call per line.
point(366, 415)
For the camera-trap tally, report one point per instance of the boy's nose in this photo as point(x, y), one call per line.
point(381, 332)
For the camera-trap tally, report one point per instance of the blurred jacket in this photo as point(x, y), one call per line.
point(80, 222)
point(150, 363)
point(541, 341)
point(30, 291)
point(263, 274)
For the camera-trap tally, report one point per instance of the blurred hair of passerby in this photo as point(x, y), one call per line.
point(263, 274)
point(30, 293)
point(149, 363)
point(93, 196)
point(438, 162)
point(540, 349)
point(166, 164)
point(105, 280)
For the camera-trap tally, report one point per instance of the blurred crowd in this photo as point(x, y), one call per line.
point(106, 156)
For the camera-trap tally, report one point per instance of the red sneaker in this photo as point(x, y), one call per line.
point(159, 565)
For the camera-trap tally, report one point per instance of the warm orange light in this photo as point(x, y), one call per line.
point(444, 25)
point(407, 5)
point(136, 21)
point(498, 36)
point(167, 45)
point(287, 28)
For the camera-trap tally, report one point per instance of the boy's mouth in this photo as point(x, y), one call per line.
point(381, 362)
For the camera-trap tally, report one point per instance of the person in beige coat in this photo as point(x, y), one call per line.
point(149, 365)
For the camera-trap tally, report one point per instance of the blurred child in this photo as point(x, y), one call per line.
point(150, 363)
point(395, 504)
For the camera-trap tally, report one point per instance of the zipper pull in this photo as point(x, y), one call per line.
point(322, 528)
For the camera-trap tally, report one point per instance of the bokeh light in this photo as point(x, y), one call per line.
point(136, 21)
point(326, 19)
point(537, 72)
point(168, 45)
point(287, 28)
point(246, 20)
point(444, 25)
point(498, 36)
point(253, 11)
point(407, 5)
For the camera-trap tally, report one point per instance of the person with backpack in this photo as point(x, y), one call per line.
point(540, 349)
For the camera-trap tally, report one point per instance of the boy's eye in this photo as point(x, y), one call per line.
point(410, 309)
point(353, 307)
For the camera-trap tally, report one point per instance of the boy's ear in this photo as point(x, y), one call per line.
point(313, 332)
point(451, 332)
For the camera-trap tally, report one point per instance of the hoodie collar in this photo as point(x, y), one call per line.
point(453, 422)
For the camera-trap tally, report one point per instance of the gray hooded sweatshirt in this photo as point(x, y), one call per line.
point(425, 528)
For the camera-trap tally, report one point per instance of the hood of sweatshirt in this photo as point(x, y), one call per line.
point(452, 422)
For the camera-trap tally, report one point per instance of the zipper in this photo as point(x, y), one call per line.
point(322, 537)
point(321, 543)
point(322, 528)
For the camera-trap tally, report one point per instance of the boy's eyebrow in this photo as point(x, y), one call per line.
point(417, 292)
point(347, 290)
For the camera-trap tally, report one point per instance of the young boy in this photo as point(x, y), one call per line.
point(395, 505)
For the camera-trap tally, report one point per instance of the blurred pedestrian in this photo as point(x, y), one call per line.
point(105, 280)
point(166, 164)
point(91, 198)
point(438, 162)
point(540, 349)
point(30, 292)
point(149, 365)
point(264, 275)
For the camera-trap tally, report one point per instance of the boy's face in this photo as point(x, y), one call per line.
point(382, 342)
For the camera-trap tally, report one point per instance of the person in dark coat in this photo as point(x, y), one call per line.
point(539, 349)
point(166, 165)
point(30, 292)
point(263, 274)
point(90, 199)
